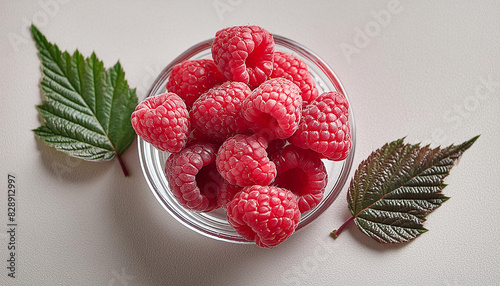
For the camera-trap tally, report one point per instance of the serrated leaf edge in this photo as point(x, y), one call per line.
point(355, 217)
point(53, 54)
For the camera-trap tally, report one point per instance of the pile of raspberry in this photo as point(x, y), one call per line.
point(247, 132)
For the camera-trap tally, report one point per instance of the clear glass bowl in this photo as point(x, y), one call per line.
point(214, 224)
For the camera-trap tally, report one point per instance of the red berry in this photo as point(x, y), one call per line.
point(273, 109)
point(244, 53)
point(324, 127)
point(198, 136)
point(294, 69)
point(225, 193)
point(242, 160)
point(193, 177)
point(265, 214)
point(217, 112)
point(275, 145)
point(302, 172)
point(191, 78)
point(163, 121)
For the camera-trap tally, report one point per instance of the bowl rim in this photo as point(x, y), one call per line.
point(346, 167)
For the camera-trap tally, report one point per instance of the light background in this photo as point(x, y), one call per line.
point(429, 72)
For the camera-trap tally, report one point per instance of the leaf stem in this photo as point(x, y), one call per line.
point(122, 164)
point(337, 232)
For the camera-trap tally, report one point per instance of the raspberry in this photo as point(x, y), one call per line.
point(244, 53)
point(197, 136)
point(266, 215)
point(190, 79)
point(193, 177)
point(302, 172)
point(217, 112)
point(242, 160)
point(225, 193)
point(294, 69)
point(275, 145)
point(273, 109)
point(163, 121)
point(324, 127)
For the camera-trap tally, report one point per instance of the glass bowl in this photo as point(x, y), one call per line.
point(214, 224)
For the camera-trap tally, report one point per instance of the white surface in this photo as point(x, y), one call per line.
point(420, 75)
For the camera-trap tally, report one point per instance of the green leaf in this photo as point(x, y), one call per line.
point(86, 107)
point(397, 186)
